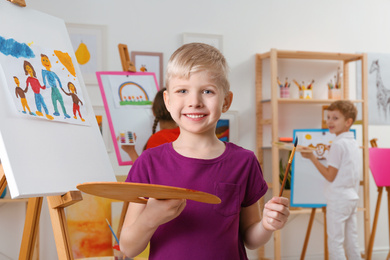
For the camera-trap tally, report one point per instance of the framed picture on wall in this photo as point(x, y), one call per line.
point(227, 127)
point(88, 43)
point(149, 62)
point(215, 40)
point(378, 84)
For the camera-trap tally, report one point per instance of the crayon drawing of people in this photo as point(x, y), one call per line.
point(76, 100)
point(52, 80)
point(36, 88)
point(19, 92)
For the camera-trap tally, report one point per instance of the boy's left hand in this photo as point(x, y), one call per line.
point(275, 213)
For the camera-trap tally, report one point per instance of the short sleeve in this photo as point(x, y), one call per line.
point(256, 185)
point(335, 156)
point(139, 170)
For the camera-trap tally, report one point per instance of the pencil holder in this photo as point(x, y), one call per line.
point(334, 93)
point(284, 93)
point(306, 94)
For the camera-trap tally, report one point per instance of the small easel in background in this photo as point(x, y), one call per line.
point(21, 3)
point(127, 64)
point(380, 186)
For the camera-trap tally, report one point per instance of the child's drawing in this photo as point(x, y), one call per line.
point(133, 90)
point(382, 93)
point(39, 73)
point(76, 100)
point(127, 98)
point(36, 88)
point(131, 93)
point(378, 88)
point(50, 79)
point(19, 92)
point(307, 184)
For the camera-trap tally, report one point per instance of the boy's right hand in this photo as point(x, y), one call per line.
point(306, 152)
point(162, 211)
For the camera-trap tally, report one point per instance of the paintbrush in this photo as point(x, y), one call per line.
point(288, 166)
point(112, 231)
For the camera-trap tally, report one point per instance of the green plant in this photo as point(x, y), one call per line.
point(282, 170)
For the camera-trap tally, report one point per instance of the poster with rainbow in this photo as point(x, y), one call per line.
point(128, 98)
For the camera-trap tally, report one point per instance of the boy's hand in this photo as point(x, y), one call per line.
point(275, 213)
point(307, 153)
point(163, 211)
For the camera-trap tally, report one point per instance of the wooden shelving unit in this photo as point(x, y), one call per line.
point(272, 59)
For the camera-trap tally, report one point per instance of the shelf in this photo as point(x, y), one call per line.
point(269, 105)
point(306, 101)
point(308, 55)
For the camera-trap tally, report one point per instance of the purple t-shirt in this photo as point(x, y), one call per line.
point(202, 231)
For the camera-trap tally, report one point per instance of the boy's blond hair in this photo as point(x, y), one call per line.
point(195, 57)
point(346, 108)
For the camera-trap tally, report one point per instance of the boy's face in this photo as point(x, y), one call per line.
point(196, 103)
point(337, 123)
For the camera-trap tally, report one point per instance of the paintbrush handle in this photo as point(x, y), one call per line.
point(284, 179)
point(287, 170)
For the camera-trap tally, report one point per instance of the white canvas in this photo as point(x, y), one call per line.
point(46, 157)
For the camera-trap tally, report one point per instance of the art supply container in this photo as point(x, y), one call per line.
point(334, 93)
point(284, 92)
point(306, 94)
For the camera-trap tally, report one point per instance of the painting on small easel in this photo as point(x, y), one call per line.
point(307, 184)
point(127, 98)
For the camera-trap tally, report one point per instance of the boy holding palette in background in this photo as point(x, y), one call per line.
point(342, 174)
point(197, 93)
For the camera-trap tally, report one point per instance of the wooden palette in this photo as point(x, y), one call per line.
point(137, 192)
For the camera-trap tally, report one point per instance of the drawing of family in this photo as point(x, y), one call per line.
point(50, 80)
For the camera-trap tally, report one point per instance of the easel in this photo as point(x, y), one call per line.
point(127, 65)
point(376, 215)
point(312, 215)
point(21, 3)
point(57, 215)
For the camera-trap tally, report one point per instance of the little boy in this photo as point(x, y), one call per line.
point(196, 96)
point(342, 175)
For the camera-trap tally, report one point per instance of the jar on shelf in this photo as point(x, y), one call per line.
point(306, 94)
point(284, 92)
point(334, 93)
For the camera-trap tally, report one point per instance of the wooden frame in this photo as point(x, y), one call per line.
point(152, 61)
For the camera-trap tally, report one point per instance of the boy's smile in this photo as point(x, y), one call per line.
point(196, 103)
point(337, 123)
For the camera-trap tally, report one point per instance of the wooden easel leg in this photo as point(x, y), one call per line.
point(3, 180)
point(122, 218)
point(388, 215)
point(58, 221)
point(374, 224)
point(31, 228)
point(309, 226)
point(326, 251)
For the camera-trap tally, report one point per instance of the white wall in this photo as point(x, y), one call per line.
point(248, 27)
